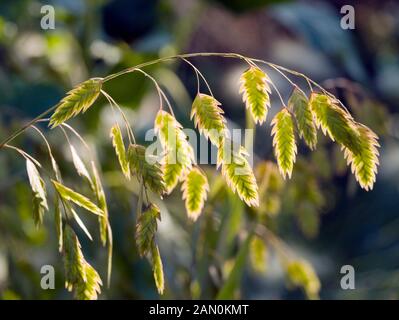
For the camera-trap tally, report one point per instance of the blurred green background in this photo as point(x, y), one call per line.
point(321, 214)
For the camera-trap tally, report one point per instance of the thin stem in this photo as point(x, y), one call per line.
point(44, 138)
point(279, 94)
point(78, 136)
point(129, 130)
point(66, 136)
point(26, 126)
point(273, 85)
point(180, 56)
point(160, 91)
point(198, 73)
point(54, 165)
point(278, 244)
point(26, 155)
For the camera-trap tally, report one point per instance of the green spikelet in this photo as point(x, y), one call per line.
point(79, 165)
point(77, 100)
point(147, 168)
point(39, 192)
point(117, 142)
point(146, 227)
point(335, 121)
point(150, 170)
point(364, 164)
point(58, 223)
point(157, 268)
point(179, 155)
point(238, 172)
point(98, 190)
point(258, 254)
point(284, 142)
point(195, 188)
point(300, 273)
point(255, 91)
point(299, 104)
point(80, 276)
point(103, 221)
point(208, 117)
point(69, 195)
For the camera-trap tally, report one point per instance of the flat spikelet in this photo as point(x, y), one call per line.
point(79, 165)
point(364, 164)
point(258, 254)
point(208, 117)
point(179, 154)
point(39, 192)
point(157, 268)
point(58, 223)
point(117, 142)
point(195, 188)
point(98, 190)
point(238, 173)
point(69, 195)
point(78, 100)
point(300, 273)
point(335, 121)
point(147, 168)
point(146, 227)
point(255, 91)
point(284, 142)
point(80, 276)
point(299, 104)
point(103, 221)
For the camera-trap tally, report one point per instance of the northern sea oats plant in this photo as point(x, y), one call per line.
point(298, 119)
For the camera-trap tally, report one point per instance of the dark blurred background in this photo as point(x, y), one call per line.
point(346, 225)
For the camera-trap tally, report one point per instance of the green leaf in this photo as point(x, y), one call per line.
point(208, 117)
point(146, 228)
point(232, 282)
point(39, 192)
point(157, 268)
point(77, 100)
point(335, 121)
point(69, 195)
point(364, 164)
point(299, 104)
point(284, 142)
point(238, 172)
point(255, 93)
point(80, 276)
point(195, 188)
point(179, 154)
point(147, 168)
point(117, 142)
point(300, 273)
